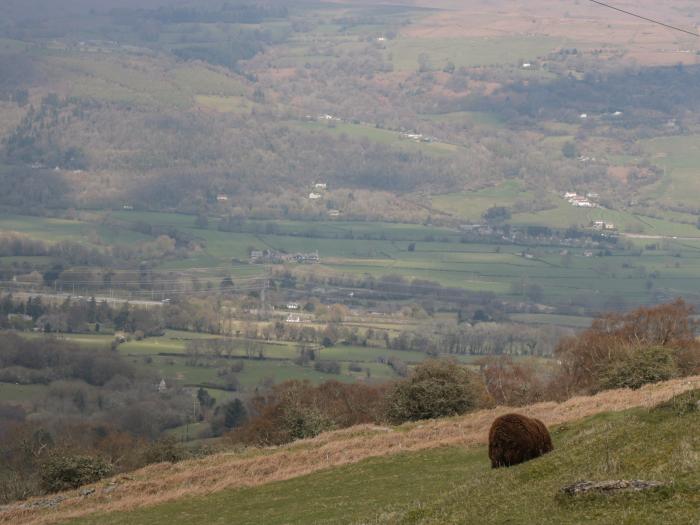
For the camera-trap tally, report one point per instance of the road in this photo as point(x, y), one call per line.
point(99, 299)
point(658, 237)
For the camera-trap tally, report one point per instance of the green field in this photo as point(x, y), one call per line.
point(55, 230)
point(381, 136)
point(475, 118)
point(363, 249)
point(680, 158)
point(552, 319)
point(468, 52)
point(472, 205)
point(21, 393)
point(165, 357)
point(457, 485)
point(120, 78)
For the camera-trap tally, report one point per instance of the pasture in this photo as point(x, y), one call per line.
point(680, 158)
point(120, 76)
point(379, 135)
point(471, 206)
point(167, 358)
point(431, 486)
point(11, 392)
point(408, 54)
point(662, 260)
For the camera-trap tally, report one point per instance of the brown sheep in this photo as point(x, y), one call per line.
point(515, 438)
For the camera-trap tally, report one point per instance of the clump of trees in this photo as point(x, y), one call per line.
point(297, 410)
point(630, 350)
point(514, 383)
point(60, 472)
point(40, 361)
point(436, 388)
point(627, 350)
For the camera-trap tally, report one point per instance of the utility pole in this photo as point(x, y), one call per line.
point(263, 295)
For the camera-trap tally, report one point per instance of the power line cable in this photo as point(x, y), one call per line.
point(653, 21)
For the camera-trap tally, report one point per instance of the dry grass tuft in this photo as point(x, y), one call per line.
point(164, 482)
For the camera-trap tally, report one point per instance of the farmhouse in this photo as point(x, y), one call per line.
point(315, 196)
point(19, 317)
point(307, 258)
point(602, 225)
point(321, 186)
point(275, 257)
point(292, 318)
point(293, 306)
point(578, 200)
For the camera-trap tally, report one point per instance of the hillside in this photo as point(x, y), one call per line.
point(423, 473)
point(211, 123)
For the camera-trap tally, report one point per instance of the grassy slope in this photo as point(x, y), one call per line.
point(456, 485)
point(425, 470)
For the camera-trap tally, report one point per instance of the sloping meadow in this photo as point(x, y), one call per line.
point(166, 482)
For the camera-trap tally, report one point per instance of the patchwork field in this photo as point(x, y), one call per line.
point(663, 258)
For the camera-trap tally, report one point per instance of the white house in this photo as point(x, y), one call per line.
point(321, 186)
point(293, 306)
point(527, 65)
point(602, 225)
point(314, 196)
point(291, 318)
point(222, 197)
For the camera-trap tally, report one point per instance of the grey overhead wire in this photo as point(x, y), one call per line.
point(653, 21)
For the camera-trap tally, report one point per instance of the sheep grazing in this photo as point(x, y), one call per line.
point(515, 438)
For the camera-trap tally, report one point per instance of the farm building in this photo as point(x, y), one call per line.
point(307, 258)
point(602, 225)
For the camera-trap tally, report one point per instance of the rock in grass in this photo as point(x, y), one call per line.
point(610, 487)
